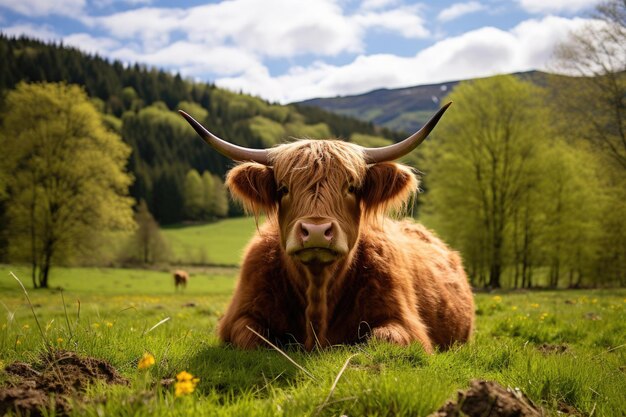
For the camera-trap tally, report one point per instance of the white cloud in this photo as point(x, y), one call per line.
point(479, 53)
point(459, 9)
point(34, 8)
point(378, 4)
point(193, 59)
point(275, 28)
point(43, 32)
point(556, 6)
point(406, 21)
point(91, 44)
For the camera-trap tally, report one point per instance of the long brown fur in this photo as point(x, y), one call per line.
point(180, 278)
point(398, 283)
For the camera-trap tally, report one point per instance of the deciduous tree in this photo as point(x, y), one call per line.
point(68, 180)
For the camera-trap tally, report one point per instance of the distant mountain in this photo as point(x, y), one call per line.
point(400, 109)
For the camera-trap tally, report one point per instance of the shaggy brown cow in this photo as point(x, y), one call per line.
point(181, 278)
point(328, 267)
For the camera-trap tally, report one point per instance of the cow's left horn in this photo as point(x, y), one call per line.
point(398, 150)
point(232, 151)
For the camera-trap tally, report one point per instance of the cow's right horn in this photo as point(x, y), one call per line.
point(398, 150)
point(232, 151)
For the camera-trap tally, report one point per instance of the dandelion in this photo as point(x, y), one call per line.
point(96, 325)
point(109, 324)
point(514, 308)
point(26, 327)
point(59, 341)
point(497, 298)
point(534, 305)
point(543, 316)
point(185, 383)
point(146, 361)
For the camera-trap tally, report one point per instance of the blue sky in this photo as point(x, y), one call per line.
point(290, 50)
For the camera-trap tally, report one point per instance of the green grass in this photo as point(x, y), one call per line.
point(117, 307)
point(219, 243)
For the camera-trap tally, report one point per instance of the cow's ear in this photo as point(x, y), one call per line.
point(253, 184)
point(387, 186)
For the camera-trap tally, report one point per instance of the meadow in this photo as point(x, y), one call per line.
point(561, 348)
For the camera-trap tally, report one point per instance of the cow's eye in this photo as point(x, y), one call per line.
point(283, 191)
point(351, 189)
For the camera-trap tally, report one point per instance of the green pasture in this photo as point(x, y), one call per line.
point(219, 243)
point(112, 313)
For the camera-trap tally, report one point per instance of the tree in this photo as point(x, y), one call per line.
point(147, 244)
point(595, 100)
point(482, 166)
point(68, 181)
point(208, 194)
point(220, 198)
point(194, 195)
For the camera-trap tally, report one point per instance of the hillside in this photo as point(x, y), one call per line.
point(140, 104)
point(400, 109)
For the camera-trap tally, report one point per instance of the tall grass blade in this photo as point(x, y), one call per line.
point(310, 375)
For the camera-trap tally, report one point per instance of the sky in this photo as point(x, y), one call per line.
point(292, 50)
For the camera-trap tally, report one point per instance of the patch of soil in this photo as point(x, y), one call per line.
point(547, 348)
point(568, 410)
point(52, 382)
point(592, 316)
point(489, 399)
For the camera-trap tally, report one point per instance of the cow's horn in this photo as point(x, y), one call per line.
point(234, 152)
point(398, 150)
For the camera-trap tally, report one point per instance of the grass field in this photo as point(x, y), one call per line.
point(110, 314)
point(219, 243)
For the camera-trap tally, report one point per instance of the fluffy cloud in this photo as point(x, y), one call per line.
point(459, 9)
point(556, 6)
point(405, 21)
point(42, 32)
point(34, 8)
point(479, 53)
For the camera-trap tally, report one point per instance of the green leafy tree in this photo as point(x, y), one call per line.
point(147, 245)
point(220, 198)
point(208, 194)
point(483, 165)
point(67, 182)
point(194, 195)
point(595, 99)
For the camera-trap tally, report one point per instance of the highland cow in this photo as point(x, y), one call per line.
point(181, 278)
point(328, 266)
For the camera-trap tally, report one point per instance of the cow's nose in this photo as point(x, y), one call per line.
point(316, 234)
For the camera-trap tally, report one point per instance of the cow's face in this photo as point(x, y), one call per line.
point(319, 192)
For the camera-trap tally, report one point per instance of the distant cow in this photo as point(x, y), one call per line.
point(181, 278)
point(328, 267)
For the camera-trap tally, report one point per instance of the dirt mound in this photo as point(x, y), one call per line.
point(489, 399)
point(547, 348)
point(56, 378)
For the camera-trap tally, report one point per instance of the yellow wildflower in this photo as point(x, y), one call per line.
point(513, 308)
point(497, 298)
point(146, 361)
point(60, 340)
point(109, 324)
point(534, 305)
point(18, 342)
point(543, 316)
point(185, 383)
point(26, 327)
point(594, 301)
point(96, 325)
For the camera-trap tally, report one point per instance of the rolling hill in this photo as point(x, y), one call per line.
point(400, 109)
